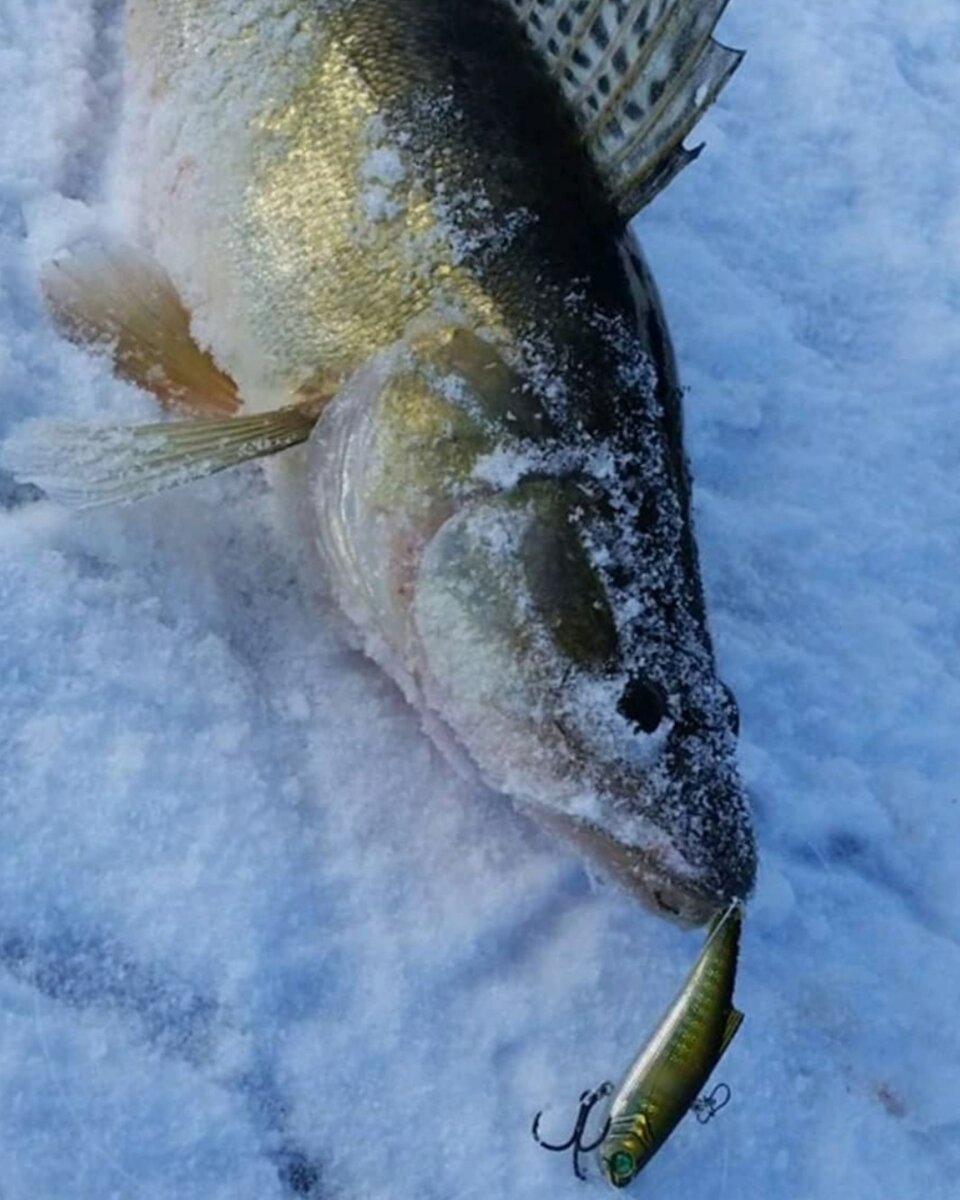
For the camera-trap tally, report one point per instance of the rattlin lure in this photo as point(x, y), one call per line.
point(667, 1077)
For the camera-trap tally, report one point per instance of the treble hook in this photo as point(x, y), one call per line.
point(707, 1107)
point(587, 1101)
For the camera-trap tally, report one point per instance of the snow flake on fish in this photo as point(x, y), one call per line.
point(592, 703)
point(476, 229)
point(510, 462)
point(383, 175)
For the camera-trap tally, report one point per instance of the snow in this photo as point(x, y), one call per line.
point(258, 940)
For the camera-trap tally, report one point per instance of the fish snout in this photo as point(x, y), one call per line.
point(650, 871)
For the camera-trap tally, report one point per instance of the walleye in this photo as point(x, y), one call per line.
point(403, 224)
point(667, 1076)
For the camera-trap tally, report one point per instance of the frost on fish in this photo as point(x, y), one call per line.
point(503, 497)
point(491, 573)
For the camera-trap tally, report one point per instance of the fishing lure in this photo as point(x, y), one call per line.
point(667, 1077)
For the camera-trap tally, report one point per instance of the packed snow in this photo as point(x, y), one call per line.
point(258, 940)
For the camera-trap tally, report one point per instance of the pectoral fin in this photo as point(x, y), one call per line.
point(118, 298)
point(734, 1021)
point(85, 466)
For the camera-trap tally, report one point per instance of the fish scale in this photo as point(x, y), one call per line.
point(408, 222)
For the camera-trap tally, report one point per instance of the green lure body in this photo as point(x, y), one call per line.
point(670, 1072)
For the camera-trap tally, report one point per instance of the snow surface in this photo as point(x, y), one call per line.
point(257, 940)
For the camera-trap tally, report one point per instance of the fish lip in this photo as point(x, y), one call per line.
point(645, 872)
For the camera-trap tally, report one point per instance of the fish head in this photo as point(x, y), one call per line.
point(630, 756)
point(475, 551)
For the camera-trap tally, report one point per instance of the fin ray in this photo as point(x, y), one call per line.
point(83, 466)
point(638, 75)
point(119, 298)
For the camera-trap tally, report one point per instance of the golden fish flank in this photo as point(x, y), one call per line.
point(410, 219)
point(327, 236)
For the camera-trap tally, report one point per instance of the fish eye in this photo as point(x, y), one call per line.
point(622, 1167)
point(643, 703)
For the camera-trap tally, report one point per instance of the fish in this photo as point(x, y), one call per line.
point(669, 1073)
point(399, 231)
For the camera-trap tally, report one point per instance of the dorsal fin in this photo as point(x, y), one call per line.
point(638, 75)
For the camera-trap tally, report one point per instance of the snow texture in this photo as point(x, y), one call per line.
point(257, 939)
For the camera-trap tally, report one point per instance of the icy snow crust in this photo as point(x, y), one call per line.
point(258, 940)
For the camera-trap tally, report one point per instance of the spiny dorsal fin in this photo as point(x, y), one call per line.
point(638, 75)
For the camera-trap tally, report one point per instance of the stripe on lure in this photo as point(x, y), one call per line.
point(667, 1076)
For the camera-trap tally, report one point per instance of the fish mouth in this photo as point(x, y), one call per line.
point(644, 871)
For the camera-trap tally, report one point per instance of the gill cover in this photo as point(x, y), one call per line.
point(508, 610)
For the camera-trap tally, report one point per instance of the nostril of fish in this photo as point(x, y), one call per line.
point(643, 703)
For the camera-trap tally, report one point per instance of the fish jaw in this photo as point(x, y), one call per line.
point(654, 873)
point(678, 839)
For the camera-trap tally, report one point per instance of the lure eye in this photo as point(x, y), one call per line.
point(623, 1167)
point(643, 703)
